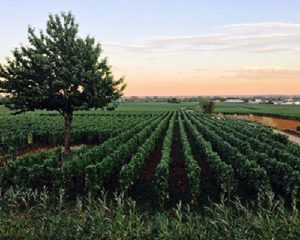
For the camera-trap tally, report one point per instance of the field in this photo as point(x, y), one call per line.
point(178, 174)
point(282, 111)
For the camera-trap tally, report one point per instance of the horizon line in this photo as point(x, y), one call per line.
point(218, 95)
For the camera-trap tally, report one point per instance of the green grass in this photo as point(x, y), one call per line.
point(282, 111)
point(27, 214)
point(160, 106)
point(123, 108)
point(4, 111)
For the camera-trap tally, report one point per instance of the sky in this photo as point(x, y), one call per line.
point(179, 47)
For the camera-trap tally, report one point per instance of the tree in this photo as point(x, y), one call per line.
point(173, 100)
point(207, 105)
point(59, 71)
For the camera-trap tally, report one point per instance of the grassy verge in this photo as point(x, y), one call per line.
point(27, 214)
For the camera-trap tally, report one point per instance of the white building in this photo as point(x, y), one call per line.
point(288, 103)
point(234, 101)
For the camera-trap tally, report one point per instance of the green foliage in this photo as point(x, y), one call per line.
point(59, 71)
point(162, 169)
point(268, 110)
point(192, 168)
point(48, 130)
point(27, 214)
point(12, 153)
point(223, 172)
point(244, 160)
point(207, 105)
point(234, 151)
point(280, 161)
point(255, 176)
point(97, 173)
point(173, 100)
point(73, 170)
point(131, 171)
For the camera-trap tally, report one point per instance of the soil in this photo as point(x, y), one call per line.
point(282, 126)
point(291, 137)
point(147, 176)
point(178, 181)
point(209, 186)
point(274, 122)
point(144, 189)
point(35, 150)
point(112, 183)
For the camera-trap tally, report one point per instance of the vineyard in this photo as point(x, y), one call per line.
point(268, 110)
point(177, 139)
point(165, 155)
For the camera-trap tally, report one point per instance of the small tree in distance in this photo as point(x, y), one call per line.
point(173, 100)
point(207, 105)
point(59, 71)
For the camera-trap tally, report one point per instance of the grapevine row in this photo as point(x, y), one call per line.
point(72, 169)
point(46, 130)
point(274, 148)
point(75, 168)
point(224, 173)
point(192, 167)
point(131, 171)
point(253, 175)
point(280, 173)
point(270, 149)
point(162, 169)
point(97, 173)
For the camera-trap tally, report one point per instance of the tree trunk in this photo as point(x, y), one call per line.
point(68, 122)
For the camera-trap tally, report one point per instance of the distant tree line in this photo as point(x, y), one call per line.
point(173, 100)
point(246, 99)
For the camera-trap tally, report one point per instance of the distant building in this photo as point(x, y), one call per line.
point(288, 103)
point(256, 101)
point(234, 101)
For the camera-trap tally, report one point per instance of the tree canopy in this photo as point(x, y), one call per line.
point(207, 105)
point(173, 100)
point(59, 71)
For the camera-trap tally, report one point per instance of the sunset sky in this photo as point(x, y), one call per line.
point(180, 47)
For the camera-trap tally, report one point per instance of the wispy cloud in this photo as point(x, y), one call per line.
point(124, 46)
point(255, 38)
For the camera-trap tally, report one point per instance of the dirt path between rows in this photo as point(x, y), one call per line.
point(292, 138)
point(36, 150)
point(31, 151)
point(209, 187)
point(144, 190)
point(147, 176)
point(178, 180)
